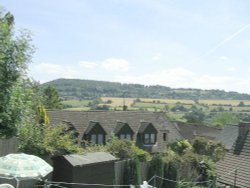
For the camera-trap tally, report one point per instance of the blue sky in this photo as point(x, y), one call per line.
point(176, 43)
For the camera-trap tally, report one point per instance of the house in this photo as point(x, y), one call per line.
point(226, 136)
point(234, 169)
point(88, 168)
point(150, 130)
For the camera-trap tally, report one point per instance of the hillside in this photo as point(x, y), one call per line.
point(89, 89)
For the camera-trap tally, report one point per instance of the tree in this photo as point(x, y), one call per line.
point(46, 140)
point(181, 147)
point(220, 119)
point(203, 146)
point(15, 54)
point(195, 115)
point(126, 149)
point(241, 104)
point(51, 98)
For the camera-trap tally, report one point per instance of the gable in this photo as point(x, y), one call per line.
point(94, 128)
point(123, 128)
point(147, 127)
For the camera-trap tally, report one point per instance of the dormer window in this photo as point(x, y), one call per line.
point(95, 134)
point(148, 133)
point(123, 131)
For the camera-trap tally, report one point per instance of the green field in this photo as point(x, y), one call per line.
point(153, 104)
point(76, 103)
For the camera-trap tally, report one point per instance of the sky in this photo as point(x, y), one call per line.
point(175, 43)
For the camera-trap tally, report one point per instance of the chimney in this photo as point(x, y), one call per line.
point(244, 128)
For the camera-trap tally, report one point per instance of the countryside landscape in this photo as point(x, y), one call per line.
point(128, 93)
point(209, 107)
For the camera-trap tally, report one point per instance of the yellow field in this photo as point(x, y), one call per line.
point(128, 101)
point(118, 101)
point(224, 102)
point(168, 101)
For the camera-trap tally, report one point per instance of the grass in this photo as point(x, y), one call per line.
point(76, 103)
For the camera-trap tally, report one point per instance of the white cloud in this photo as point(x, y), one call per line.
point(231, 69)
point(169, 77)
point(48, 68)
point(88, 64)
point(176, 77)
point(83, 69)
point(114, 64)
point(181, 78)
point(223, 58)
point(50, 71)
point(211, 81)
point(157, 57)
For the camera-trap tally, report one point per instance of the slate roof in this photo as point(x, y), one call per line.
point(227, 135)
point(109, 119)
point(91, 125)
point(89, 158)
point(121, 125)
point(237, 158)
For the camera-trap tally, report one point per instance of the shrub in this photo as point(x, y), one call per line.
point(124, 149)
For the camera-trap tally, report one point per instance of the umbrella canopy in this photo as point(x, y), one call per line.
point(24, 166)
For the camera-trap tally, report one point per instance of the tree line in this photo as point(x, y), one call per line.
point(90, 89)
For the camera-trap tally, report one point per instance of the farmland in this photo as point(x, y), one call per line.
point(176, 109)
point(159, 104)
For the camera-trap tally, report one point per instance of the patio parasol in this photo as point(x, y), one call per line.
point(24, 166)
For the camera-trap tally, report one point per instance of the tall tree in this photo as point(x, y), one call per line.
point(15, 54)
point(51, 98)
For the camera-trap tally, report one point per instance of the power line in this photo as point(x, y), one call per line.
point(186, 182)
point(101, 185)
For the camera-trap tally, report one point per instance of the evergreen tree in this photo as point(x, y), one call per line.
point(51, 98)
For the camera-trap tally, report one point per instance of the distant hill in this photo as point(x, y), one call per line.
point(89, 89)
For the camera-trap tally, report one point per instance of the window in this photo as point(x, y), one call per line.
point(146, 139)
point(97, 139)
point(147, 133)
point(125, 136)
point(152, 138)
point(149, 138)
point(93, 139)
point(100, 139)
point(128, 136)
point(164, 136)
point(122, 136)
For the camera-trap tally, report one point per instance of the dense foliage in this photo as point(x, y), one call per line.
point(89, 89)
point(46, 140)
point(222, 118)
point(51, 98)
point(15, 53)
point(126, 149)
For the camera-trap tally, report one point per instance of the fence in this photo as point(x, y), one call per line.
point(8, 146)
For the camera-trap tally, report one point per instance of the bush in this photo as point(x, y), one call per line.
point(125, 149)
point(181, 147)
point(203, 146)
